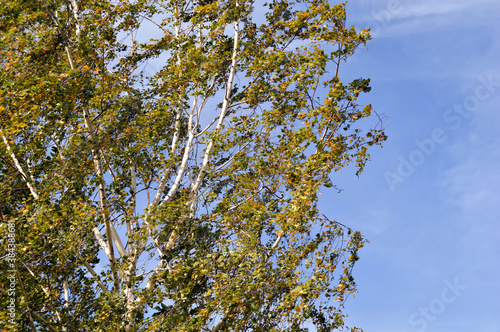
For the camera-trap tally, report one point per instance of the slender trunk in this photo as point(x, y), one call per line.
point(225, 106)
point(29, 183)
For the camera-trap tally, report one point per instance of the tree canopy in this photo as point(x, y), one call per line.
point(161, 162)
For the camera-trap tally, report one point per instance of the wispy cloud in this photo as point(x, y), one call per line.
point(392, 18)
point(422, 9)
point(472, 184)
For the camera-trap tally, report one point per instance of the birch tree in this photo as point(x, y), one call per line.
point(162, 160)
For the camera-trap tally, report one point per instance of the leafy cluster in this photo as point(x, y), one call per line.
point(162, 160)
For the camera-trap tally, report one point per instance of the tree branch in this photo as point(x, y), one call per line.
point(225, 105)
point(19, 167)
point(91, 270)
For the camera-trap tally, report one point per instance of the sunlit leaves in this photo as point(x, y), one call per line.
point(203, 132)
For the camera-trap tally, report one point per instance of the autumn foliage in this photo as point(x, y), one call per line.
point(162, 162)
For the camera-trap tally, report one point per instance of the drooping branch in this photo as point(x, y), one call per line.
point(110, 234)
point(30, 185)
point(28, 309)
point(36, 197)
point(40, 318)
point(102, 201)
point(91, 270)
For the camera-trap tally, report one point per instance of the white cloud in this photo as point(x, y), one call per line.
point(435, 8)
point(392, 18)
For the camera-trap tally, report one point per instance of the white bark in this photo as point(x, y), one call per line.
point(225, 105)
point(130, 229)
point(129, 288)
point(19, 167)
point(101, 241)
point(166, 173)
point(201, 175)
point(110, 231)
point(275, 245)
point(36, 197)
point(111, 234)
point(76, 16)
point(66, 300)
point(185, 157)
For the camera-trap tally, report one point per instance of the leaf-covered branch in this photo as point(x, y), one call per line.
point(161, 162)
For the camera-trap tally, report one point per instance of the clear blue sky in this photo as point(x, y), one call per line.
point(429, 200)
